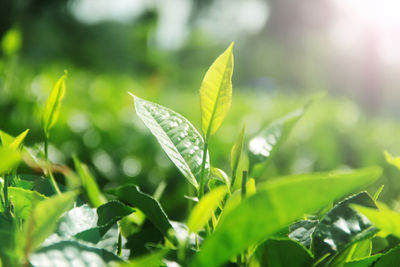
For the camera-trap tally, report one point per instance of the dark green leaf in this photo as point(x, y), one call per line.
point(301, 231)
point(284, 253)
point(366, 262)
point(131, 195)
point(390, 258)
point(177, 136)
point(276, 204)
point(72, 253)
point(341, 226)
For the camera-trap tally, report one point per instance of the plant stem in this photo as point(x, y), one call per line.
point(203, 166)
point(244, 181)
point(233, 179)
point(48, 170)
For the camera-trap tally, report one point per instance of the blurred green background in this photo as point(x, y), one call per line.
point(285, 51)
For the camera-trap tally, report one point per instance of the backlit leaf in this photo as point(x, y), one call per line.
point(395, 161)
point(203, 210)
point(43, 218)
point(177, 136)
point(53, 105)
point(216, 92)
point(276, 204)
point(9, 158)
point(23, 201)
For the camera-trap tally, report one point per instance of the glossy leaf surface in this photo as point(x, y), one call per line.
point(132, 196)
point(72, 253)
point(263, 145)
point(203, 210)
point(53, 105)
point(177, 136)
point(341, 226)
point(301, 231)
point(44, 216)
point(284, 252)
point(216, 92)
point(275, 205)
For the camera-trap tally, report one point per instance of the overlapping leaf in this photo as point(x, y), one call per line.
point(177, 136)
point(275, 205)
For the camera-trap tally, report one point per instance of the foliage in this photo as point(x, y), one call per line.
point(51, 212)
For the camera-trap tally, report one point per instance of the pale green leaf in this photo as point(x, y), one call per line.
point(23, 201)
point(204, 209)
point(177, 136)
point(384, 219)
point(17, 142)
point(53, 105)
point(6, 139)
point(154, 259)
point(395, 161)
point(216, 92)
point(89, 184)
point(43, 218)
point(237, 150)
point(276, 204)
point(9, 158)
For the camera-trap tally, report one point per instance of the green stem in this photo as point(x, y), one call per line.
point(203, 166)
point(46, 155)
point(244, 181)
point(233, 178)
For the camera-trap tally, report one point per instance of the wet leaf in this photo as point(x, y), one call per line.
point(216, 92)
point(341, 226)
point(301, 231)
point(263, 145)
point(177, 136)
point(276, 204)
point(72, 253)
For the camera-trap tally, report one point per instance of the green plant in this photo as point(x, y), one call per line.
point(285, 221)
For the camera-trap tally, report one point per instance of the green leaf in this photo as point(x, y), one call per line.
point(263, 145)
point(341, 226)
point(385, 219)
point(72, 253)
point(9, 158)
point(6, 139)
point(395, 161)
point(89, 184)
point(216, 92)
point(276, 204)
point(204, 209)
point(301, 231)
point(154, 259)
point(131, 195)
point(237, 150)
point(177, 136)
point(13, 142)
point(53, 105)
point(43, 218)
point(285, 253)
point(378, 193)
point(390, 258)
point(365, 262)
point(218, 175)
point(23, 201)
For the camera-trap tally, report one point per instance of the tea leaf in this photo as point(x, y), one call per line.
point(276, 204)
point(216, 92)
point(23, 201)
point(89, 184)
point(9, 158)
point(365, 262)
point(177, 136)
point(390, 258)
point(43, 218)
point(263, 145)
point(236, 151)
point(154, 259)
point(203, 210)
point(284, 252)
point(131, 195)
point(385, 219)
point(395, 161)
point(78, 255)
point(53, 105)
